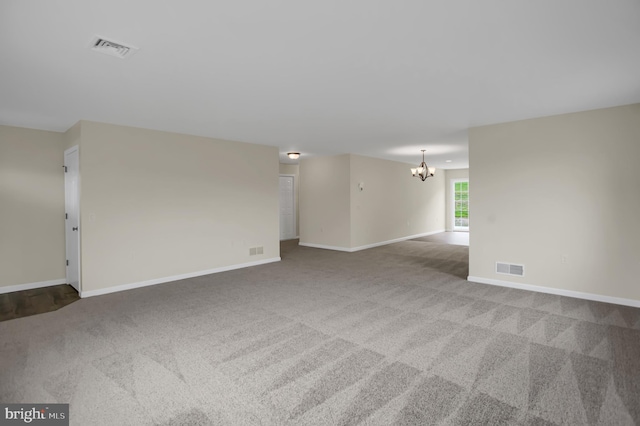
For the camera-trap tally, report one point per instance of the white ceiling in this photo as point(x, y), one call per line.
point(373, 77)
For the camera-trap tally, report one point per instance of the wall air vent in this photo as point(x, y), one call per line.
point(109, 47)
point(510, 269)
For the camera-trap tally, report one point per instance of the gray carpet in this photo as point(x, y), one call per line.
point(390, 335)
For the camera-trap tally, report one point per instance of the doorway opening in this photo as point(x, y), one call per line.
point(287, 208)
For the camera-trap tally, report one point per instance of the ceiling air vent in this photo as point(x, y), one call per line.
point(510, 269)
point(109, 47)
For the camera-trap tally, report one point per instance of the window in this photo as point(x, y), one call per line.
point(460, 204)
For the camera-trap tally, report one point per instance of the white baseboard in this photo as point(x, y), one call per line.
point(557, 291)
point(368, 246)
point(325, 247)
point(30, 286)
point(396, 240)
point(131, 286)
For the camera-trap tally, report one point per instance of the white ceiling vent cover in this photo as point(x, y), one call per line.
point(510, 269)
point(110, 47)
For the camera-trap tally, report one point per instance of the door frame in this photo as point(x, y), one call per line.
point(76, 149)
point(295, 219)
point(452, 189)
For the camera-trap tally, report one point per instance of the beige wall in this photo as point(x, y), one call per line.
point(294, 169)
point(393, 205)
point(559, 187)
point(325, 201)
point(31, 206)
point(449, 176)
point(157, 204)
point(73, 136)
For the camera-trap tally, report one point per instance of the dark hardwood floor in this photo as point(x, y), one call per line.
point(37, 301)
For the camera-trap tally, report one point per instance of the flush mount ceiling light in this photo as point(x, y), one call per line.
point(112, 48)
point(293, 155)
point(422, 171)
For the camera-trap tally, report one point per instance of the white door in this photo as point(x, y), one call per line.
point(72, 215)
point(287, 209)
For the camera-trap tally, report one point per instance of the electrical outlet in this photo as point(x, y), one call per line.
point(564, 259)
